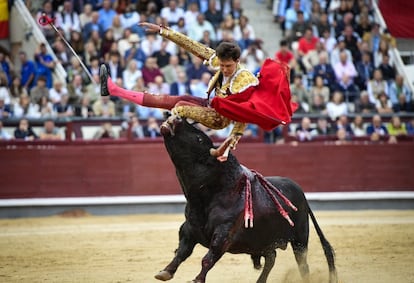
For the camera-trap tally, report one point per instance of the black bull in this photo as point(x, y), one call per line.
point(216, 201)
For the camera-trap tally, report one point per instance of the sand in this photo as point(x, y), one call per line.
point(371, 246)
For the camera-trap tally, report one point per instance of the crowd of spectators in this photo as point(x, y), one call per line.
point(341, 66)
point(340, 60)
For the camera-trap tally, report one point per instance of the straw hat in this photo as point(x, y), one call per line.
point(134, 38)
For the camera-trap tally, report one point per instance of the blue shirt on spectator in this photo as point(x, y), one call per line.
point(28, 69)
point(105, 18)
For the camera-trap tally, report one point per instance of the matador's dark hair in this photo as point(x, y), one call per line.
point(228, 50)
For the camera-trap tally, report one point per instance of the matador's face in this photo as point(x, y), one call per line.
point(228, 66)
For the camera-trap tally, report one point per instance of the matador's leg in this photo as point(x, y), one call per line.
point(108, 87)
point(204, 115)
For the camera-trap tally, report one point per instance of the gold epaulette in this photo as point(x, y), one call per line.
point(242, 80)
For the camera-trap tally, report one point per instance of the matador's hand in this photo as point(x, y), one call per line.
point(150, 27)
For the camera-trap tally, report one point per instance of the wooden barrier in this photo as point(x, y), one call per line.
point(122, 168)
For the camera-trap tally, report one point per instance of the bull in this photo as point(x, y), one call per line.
point(223, 197)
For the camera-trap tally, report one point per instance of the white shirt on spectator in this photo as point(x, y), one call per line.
point(172, 16)
point(336, 110)
point(129, 19)
point(55, 96)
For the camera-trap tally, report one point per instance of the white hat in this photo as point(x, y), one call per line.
point(133, 38)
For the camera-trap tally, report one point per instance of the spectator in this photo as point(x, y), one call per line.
point(47, 30)
point(395, 127)
point(83, 109)
point(365, 69)
point(373, 37)
point(305, 131)
point(376, 86)
point(4, 89)
point(4, 135)
point(104, 107)
point(352, 42)
point(131, 74)
point(63, 108)
point(114, 65)
point(317, 105)
point(398, 88)
point(92, 26)
point(344, 68)
point(299, 28)
point(44, 64)
point(150, 71)
point(325, 70)
point(162, 56)
point(16, 89)
point(28, 71)
point(50, 132)
point(236, 9)
point(252, 57)
point(170, 71)
point(62, 53)
point(159, 86)
point(363, 105)
point(137, 129)
point(190, 15)
point(213, 15)
point(298, 90)
point(285, 55)
point(383, 104)
point(343, 123)
point(172, 13)
point(46, 108)
point(39, 90)
point(388, 71)
point(117, 28)
point(24, 131)
point(107, 41)
point(243, 27)
point(86, 16)
point(77, 43)
point(319, 89)
point(129, 19)
point(307, 42)
point(311, 59)
point(328, 40)
point(196, 30)
point(105, 132)
point(106, 15)
point(25, 108)
point(291, 15)
point(152, 129)
point(323, 128)
point(5, 109)
point(56, 93)
point(336, 53)
point(383, 50)
point(358, 126)
point(410, 127)
point(342, 137)
point(195, 70)
point(376, 126)
point(336, 107)
point(135, 52)
point(181, 86)
point(200, 89)
point(68, 19)
point(403, 105)
point(348, 88)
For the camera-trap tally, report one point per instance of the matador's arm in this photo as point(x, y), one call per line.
point(192, 46)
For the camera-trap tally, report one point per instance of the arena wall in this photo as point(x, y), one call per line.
point(60, 169)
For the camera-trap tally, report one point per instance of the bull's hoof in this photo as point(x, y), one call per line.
point(163, 275)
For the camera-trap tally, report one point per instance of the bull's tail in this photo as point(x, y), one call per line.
point(327, 248)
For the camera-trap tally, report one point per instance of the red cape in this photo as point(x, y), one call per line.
point(266, 105)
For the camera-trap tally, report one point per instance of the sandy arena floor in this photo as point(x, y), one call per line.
point(371, 246)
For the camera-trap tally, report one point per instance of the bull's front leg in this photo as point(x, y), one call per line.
point(218, 246)
point(185, 248)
